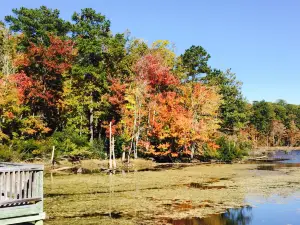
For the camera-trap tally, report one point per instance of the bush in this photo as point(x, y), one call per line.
point(70, 143)
point(208, 153)
point(230, 150)
point(67, 142)
point(97, 149)
point(6, 154)
point(19, 149)
point(27, 148)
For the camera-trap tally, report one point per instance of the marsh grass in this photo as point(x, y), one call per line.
point(148, 197)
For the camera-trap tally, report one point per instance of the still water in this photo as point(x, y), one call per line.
point(283, 159)
point(273, 210)
point(290, 157)
point(120, 201)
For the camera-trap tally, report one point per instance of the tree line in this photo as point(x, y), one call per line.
point(62, 83)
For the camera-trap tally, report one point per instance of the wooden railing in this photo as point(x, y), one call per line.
point(21, 185)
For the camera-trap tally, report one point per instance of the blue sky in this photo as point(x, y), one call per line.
point(258, 39)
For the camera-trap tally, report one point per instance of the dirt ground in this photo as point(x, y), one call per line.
point(156, 196)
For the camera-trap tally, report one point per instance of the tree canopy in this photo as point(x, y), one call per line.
point(63, 82)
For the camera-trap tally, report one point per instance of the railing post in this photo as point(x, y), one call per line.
point(21, 187)
point(5, 185)
point(1, 185)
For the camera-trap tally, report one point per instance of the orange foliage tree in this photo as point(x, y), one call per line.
point(40, 80)
point(159, 114)
point(12, 111)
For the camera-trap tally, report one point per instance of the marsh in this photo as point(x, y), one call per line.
point(165, 196)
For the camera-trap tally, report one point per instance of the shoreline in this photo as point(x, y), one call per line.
point(262, 151)
point(90, 166)
point(284, 148)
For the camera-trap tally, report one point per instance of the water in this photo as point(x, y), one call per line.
point(283, 159)
point(127, 197)
point(290, 157)
point(274, 210)
point(242, 216)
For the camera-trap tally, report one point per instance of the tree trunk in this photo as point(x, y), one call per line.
point(91, 123)
point(80, 129)
point(113, 153)
point(0, 132)
point(136, 145)
point(52, 156)
point(192, 151)
point(135, 149)
point(123, 156)
point(137, 135)
point(110, 147)
point(100, 131)
point(129, 152)
point(6, 56)
point(133, 135)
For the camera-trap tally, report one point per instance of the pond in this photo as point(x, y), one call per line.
point(179, 195)
point(289, 157)
point(274, 210)
point(283, 159)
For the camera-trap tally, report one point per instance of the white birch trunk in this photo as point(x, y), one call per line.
point(52, 156)
point(113, 153)
point(91, 125)
point(110, 147)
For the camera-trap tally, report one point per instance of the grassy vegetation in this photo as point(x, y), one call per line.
point(96, 166)
point(152, 197)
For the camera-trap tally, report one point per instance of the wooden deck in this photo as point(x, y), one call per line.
point(21, 193)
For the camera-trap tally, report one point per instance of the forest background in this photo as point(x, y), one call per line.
point(62, 83)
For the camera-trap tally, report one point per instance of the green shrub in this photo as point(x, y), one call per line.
point(208, 153)
point(97, 149)
point(6, 154)
point(230, 150)
point(68, 142)
point(26, 149)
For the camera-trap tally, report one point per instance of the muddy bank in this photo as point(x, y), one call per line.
point(156, 197)
point(89, 166)
point(101, 166)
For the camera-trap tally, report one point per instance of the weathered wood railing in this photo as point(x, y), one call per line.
point(21, 193)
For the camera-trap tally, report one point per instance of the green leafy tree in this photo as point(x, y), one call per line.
point(262, 117)
point(292, 115)
point(36, 24)
point(234, 110)
point(7, 51)
point(99, 57)
point(195, 61)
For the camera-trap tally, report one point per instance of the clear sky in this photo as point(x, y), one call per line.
point(258, 39)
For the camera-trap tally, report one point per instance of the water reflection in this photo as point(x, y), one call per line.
point(288, 157)
point(111, 191)
point(282, 159)
point(242, 216)
point(275, 166)
point(113, 199)
point(274, 210)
